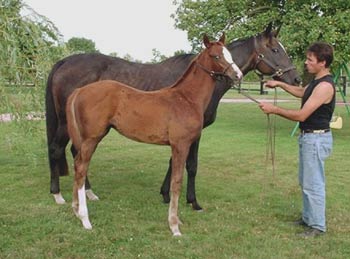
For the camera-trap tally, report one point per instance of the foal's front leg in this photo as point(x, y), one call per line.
point(191, 167)
point(178, 160)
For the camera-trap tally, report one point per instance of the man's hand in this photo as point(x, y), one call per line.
point(272, 83)
point(267, 108)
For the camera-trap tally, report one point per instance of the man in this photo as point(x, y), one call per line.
point(315, 140)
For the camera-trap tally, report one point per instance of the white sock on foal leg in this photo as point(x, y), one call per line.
point(83, 211)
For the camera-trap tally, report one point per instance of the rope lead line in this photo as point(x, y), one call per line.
point(271, 138)
point(271, 129)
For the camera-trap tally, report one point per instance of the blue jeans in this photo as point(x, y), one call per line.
point(314, 148)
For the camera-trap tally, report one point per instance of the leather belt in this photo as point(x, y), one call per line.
point(319, 131)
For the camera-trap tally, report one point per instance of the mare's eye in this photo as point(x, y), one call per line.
point(216, 57)
point(275, 50)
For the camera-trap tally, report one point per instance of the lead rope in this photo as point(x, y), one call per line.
point(271, 129)
point(271, 137)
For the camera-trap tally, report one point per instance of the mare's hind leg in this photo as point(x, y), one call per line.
point(58, 162)
point(81, 164)
point(179, 154)
point(89, 193)
point(165, 188)
point(191, 167)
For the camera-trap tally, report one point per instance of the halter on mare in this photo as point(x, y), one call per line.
point(276, 71)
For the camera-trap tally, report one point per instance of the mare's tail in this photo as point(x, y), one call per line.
point(56, 150)
point(72, 123)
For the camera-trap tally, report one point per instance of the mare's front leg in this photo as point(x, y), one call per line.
point(179, 154)
point(89, 193)
point(191, 167)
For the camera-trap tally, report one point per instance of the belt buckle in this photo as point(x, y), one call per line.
point(318, 131)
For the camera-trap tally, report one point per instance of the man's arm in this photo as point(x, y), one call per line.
point(293, 90)
point(322, 94)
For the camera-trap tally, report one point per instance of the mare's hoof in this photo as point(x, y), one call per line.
point(166, 197)
point(91, 196)
point(59, 198)
point(196, 206)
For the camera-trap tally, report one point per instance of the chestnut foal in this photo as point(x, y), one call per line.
point(171, 116)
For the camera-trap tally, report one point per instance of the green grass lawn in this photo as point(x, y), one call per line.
point(247, 209)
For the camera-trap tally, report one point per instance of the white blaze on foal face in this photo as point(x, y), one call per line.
point(228, 57)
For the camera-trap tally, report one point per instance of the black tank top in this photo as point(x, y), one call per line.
point(321, 117)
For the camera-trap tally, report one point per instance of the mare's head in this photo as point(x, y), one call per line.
point(272, 59)
point(221, 59)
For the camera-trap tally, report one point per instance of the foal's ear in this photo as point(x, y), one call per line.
point(222, 38)
point(206, 41)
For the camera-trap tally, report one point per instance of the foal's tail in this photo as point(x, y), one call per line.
point(72, 123)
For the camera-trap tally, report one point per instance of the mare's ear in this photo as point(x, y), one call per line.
point(278, 30)
point(206, 41)
point(268, 30)
point(222, 38)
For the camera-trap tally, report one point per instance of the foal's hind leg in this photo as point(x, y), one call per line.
point(89, 193)
point(81, 164)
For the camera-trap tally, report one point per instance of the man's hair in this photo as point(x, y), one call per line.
point(322, 51)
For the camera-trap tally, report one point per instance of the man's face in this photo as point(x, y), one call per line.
point(312, 65)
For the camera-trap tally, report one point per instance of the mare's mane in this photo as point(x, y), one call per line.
point(240, 42)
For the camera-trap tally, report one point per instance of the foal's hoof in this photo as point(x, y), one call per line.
point(176, 231)
point(59, 198)
point(86, 223)
point(177, 234)
point(91, 196)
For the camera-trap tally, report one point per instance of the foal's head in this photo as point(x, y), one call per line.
point(222, 63)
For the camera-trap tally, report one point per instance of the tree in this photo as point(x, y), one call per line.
point(29, 45)
point(81, 45)
point(303, 22)
point(26, 43)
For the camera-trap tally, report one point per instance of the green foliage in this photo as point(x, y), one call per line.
point(81, 45)
point(29, 45)
point(26, 44)
point(303, 22)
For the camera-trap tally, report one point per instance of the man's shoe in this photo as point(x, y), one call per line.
point(300, 222)
point(312, 232)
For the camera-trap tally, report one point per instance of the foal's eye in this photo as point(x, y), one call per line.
point(216, 57)
point(275, 50)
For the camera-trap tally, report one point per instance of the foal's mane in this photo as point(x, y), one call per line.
point(187, 71)
point(189, 67)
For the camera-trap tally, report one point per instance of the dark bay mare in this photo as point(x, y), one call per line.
point(262, 52)
point(170, 116)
